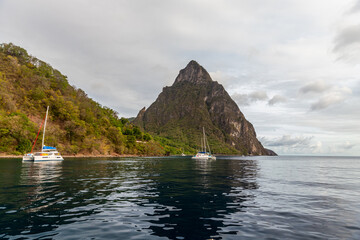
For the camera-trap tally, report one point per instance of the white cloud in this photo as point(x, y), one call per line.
point(347, 145)
point(342, 148)
point(317, 148)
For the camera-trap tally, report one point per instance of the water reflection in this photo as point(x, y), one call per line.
point(192, 200)
point(25, 201)
point(179, 198)
point(40, 179)
point(143, 198)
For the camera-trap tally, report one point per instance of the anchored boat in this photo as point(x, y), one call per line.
point(203, 154)
point(47, 153)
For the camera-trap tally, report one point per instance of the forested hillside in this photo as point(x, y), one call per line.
point(76, 124)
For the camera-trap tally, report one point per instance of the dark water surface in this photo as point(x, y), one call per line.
point(180, 198)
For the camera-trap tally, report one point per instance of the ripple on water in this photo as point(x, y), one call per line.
point(183, 199)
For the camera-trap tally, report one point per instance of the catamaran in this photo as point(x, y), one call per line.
point(47, 153)
point(203, 154)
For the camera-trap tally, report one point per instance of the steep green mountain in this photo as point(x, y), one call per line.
point(76, 125)
point(195, 101)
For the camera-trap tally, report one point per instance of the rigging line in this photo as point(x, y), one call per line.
point(38, 134)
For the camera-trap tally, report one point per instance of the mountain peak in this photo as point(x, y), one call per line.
point(193, 73)
point(195, 101)
point(194, 64)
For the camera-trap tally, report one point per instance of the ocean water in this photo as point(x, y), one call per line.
point(282, 197)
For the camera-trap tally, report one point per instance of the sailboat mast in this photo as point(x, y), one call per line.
point(209, 147)
point(204, 139)
point(43, 139)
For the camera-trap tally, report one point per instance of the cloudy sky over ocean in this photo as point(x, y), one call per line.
point(292, 66)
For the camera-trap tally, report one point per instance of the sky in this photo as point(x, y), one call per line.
point(292, 66)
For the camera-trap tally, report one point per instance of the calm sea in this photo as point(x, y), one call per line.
point(179, 198)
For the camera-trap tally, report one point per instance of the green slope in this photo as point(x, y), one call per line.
point(76, 125)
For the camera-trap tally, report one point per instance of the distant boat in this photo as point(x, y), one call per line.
point(47, 153)
point(203, 154)
point(182, 152)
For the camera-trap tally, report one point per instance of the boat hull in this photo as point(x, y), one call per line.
point(47, 158)
point(43, 156)
point(204, 158)
point(28, 158)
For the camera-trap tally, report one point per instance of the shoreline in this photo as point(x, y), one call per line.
point(115, 156)
point(81, 156)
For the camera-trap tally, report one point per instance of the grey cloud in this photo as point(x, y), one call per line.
point(317, 87)
point(325, 102)
point(276, 99)
point(288, 141)
point(347, 43)
point(241, 99)
point(347, 40)
point(247, 99)
point(258, 96)
point(328, 94)
point(355, 8)
point(335, 96)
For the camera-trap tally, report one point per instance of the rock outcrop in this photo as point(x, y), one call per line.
point(195, 101)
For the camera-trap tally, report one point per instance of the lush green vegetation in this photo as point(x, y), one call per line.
point(76, 125)
point(184, 131)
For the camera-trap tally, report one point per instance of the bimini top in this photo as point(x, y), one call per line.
point(49, 148)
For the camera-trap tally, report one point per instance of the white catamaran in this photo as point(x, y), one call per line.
point(47, 153)
point(203, 154)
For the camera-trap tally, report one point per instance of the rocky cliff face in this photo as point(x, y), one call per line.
point(195, 101)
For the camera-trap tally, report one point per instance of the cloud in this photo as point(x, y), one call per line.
point(342, 147)
point(122, 53)
point(326, 102)
point(347, 39)
point(346, 146)
point(258, 96)
point(326, 93)
point(317, 147)
point(277, 99)
point(315, 87)
point(347, 44)
point(355, 8)
point(241, 99)
point(288, 141)
point(335, 96)
point(288, 144)
point(247, 99)
point(223, 78)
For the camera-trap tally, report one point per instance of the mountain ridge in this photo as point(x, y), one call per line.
point(195, 101)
